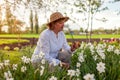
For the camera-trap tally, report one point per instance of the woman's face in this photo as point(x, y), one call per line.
point(59, 25)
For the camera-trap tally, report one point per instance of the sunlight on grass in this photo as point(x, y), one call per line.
point(21, 35)
point(94, 36)
point(67, 36)
point(13, 56)
point(11, 41)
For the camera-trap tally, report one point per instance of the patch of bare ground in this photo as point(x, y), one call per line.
point(33, 41)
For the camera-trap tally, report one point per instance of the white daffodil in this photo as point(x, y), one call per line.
point(14, 66)
point(1, 65)
point(6, 62)
point(110, 48)
point(95, 57)
point(89, 77)
point(71, 73)
point(104, 45)
point(78, 79)
point(78, 64)
point(100, 47)
point(92, 49)
point(10, 79)
point(53, 78)
point(117, 51)
point(89, 44)
point(100, 67)
point(8, 75)
point(42, 70)
point(26, 60)
point(77, 72)
point(41, 55)
point(101, 53)
point(54, 62)
point(36, 56)
point(82, 45)
point(23, 68)
point(81, 57)
point(100, 50)
point(43, 61)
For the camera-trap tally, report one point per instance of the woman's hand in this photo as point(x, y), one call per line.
point(65, 65)
point(75, 45)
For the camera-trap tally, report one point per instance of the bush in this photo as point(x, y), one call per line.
point(16, 48)
point(6, 48)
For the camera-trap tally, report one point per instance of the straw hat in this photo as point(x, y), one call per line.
point(56, 16)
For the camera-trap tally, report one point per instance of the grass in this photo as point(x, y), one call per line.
point(95, 36)
point(11, 41)
point(13, 56)
point(67, 36)
point(21, 35)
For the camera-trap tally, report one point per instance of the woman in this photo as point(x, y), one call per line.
point(52, 40)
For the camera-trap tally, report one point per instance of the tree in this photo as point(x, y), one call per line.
point(13, 23)
point(36, 23)
point(31, 21)
point(17, 25)
point(81, 30)
point(89, 8)
point(43, 27)
point(0, 18)
point(30, 6)
point(9, 18)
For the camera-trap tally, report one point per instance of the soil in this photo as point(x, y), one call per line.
point(33, 41)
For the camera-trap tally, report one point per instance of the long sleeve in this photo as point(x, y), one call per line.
point(43, 45)
point(65, 44)
point(45, 48)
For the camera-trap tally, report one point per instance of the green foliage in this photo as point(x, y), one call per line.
point(27, 51)
point(13, 56)
point(92, 55)
point(91, 61)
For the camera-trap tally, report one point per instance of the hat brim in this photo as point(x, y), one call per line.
point(64, 18)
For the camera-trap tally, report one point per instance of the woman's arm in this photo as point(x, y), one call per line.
point(44, 46)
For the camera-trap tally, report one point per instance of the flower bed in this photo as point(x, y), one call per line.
point(14, 42)
point(89, 62)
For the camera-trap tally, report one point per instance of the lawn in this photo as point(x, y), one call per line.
point(95, 36)
point(21, 35)
point(67, 36)
point(11, 41)
point(15, 56)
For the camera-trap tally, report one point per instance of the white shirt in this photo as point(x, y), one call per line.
point(50, 44)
